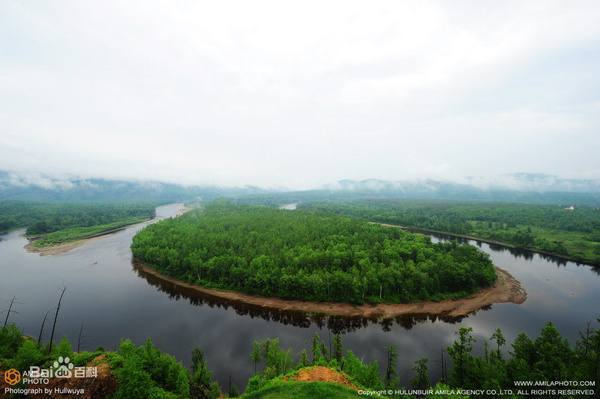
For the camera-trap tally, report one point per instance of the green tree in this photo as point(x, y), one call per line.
point(201, 375)
point(303, 360)
point(390, 381)
point(500, 341)
point(338, 350)
point(463, 361)
point(255, 355)
point(29, 354)
point(366, 374)
point(64, 347)
point(421, 380)
point(523, 358)
point(316, 353)
point(134, 381)
point(11, 339)
point(587, 352)
point(555, 356)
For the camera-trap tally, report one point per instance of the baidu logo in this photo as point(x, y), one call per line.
point(62, 368)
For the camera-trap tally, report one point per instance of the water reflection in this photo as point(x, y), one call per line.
point(519, 253)
point(335, 324)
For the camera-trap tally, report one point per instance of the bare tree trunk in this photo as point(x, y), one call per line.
point(42, 329)
point(329, 331)
point(79, 339)
point(10, 309)
point(444, 372)
point(55, 317)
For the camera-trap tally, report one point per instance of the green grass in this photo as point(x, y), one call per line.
point(303, 390)
point(72, 234)
point(577, 245)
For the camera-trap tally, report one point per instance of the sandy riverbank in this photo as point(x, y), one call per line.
point(62, 248)
point(506, 289)
point(69, 245)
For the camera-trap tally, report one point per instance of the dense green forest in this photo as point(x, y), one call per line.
point(309, 255)
point(571, 233)
point(57, 222)
point(560, 369)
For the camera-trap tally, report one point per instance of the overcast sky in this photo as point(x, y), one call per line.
point(298, 94)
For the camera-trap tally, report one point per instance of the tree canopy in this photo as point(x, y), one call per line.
point(309, 255)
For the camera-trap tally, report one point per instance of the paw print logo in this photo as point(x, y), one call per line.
point(63, 368)
point(12, 376)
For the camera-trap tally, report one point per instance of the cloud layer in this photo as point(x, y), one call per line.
point(297, 95)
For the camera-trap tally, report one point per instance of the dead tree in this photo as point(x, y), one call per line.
point(42, 329)
point(10, 309)
point(79, 341)
point(56, 317)
point(442, 364)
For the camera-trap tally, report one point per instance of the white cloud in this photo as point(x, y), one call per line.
point(298, 94)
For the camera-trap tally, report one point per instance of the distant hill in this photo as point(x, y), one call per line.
point(520, 187)
point(527, 188)
point(517, 182)
point(39, 187)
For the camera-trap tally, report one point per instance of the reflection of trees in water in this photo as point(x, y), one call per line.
point(553, 259)
point(529, 255)
point(516, 252)
point(335, 324)
point(443, 237)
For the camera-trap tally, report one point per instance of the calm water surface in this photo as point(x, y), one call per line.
point(116, 301)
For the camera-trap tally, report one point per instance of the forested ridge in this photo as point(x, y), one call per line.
point(309, 255)
point(553, 229)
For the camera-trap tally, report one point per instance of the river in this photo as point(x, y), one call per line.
point(115, 301)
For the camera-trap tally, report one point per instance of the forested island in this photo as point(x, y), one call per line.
point(311, 256)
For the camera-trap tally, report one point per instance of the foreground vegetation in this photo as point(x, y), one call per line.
point(303, 390)
point(309, 256)
point(546, 360)
point(55, 223)
point(570, 233)
point(135, 372)
point(146, 372)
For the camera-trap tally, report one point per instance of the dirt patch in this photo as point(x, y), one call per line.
point(505, 289)
point(323, 374)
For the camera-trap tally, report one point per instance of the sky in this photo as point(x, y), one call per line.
point(299, 94)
